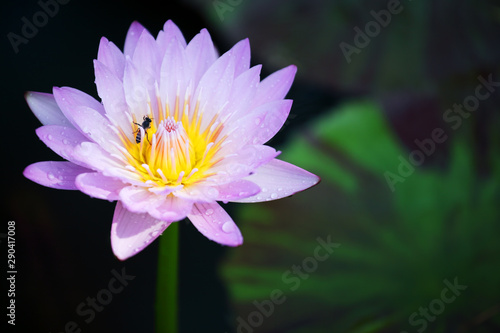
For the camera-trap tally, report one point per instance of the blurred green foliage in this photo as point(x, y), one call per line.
point(396, 248)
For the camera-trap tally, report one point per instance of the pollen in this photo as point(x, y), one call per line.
point(177, 152)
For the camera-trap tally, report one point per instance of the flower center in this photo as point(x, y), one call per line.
point(173, 151)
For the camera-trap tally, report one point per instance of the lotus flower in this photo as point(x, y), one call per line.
point(177, 129)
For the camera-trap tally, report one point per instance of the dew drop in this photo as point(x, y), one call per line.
point(209, 212)
point(50, 176)
point(49, 137)
point(274, 195)
point(264, 190)
point(280, 189)
point(228, 227)
point(66, 142)
point(155, 233)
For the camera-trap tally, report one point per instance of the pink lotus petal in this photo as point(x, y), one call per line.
point(171, 209)
point(147, 57)
point(59, 175)
point(170, 32)
point(200, 192)
point(69, 98)
point(137, 89)
point(95, 157)
point(275, 86)
point(62, 140)
point(236, 190)
point(275, 116)
point(163, 207)
point(241, 52)
point(214, 223)
point(45, 108)
point(278, 179)
point(133, 35)
point(110, 89)
point(200, 54)
point(242, 163)
point(242, 94)
point(258, 126)
point(173, 74)
point(82, 111)
point(131, 233)
point(111, 56)
point(98, 186)
point(215, 86)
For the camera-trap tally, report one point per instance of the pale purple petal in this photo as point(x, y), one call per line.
point(111, 56)
point(62, 140)
point(241, 51)
point(215, 86)
point(199, 192)
point(82, 112)
point(274, 118)
point(131, 233)
point(275, 86)
point(170, 32)
point(241, 163)
point(133, 35)
point(99, 186)
point(59, 175)
point(45, 108)
point(278, 179)
point(171, 208)
point(110, 89)
point(96, 157)
point(242, 94)
point(69, 98)
point(147, 57)
point(164, 207)
point(214, 223)
point(200, 54)
point(138, 199)
point(137, 89)
point(173, 74)
point(258, 126)
point(236, 190)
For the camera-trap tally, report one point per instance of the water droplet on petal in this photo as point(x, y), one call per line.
point(274, 195)
point(50, 176)
point(280, 189)
point(66, 142)
point(49, 137)
point(209, 212)
point(228, 227)
point(264, 190)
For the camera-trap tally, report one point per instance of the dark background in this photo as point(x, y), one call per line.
point(417, 67)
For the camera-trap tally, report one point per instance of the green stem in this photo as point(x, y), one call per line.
point(167, 281)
